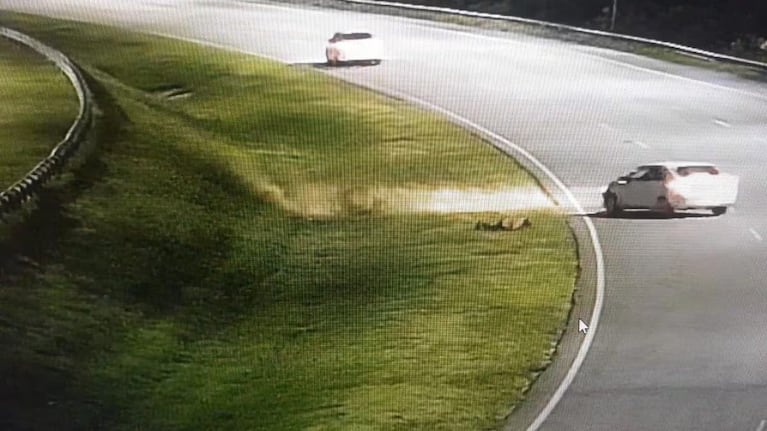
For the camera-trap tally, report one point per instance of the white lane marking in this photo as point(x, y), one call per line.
point(755, 234)
point(606, 126)
point(762, 424)
point(229, 48)
point(722, 123)
point(598, 302)
point(689, 54)
point(679, 77)
point(588, 339)
point(621, 64)
point(254, 5)
point(639, 144)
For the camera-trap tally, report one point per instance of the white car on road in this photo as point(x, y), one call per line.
point(670, 186)
point(353, 47)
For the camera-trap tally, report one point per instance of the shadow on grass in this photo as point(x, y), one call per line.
point(33, 376)
point(69, 291)
point(47, 222)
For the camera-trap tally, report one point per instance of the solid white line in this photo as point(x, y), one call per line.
point(256, 5)
point(229, 48)
point(588, 339)
point(722, 123)
point(682, 78)
point(612, 61)
point(755, 234)
point(699, 57)
point(599, 299)
point(598, 302)
point(761, 425)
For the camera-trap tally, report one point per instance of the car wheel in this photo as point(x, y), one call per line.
point(375, 62)
point(332, 56)
point(663, 206)
point(719, 210)
point(611, 205)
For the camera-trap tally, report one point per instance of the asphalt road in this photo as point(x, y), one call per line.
point(682, 343)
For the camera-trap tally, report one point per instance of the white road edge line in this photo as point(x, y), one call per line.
point(588, 339)
point(606, 126)
point(755, 234)
point(486, 37)
point(621, 64)
point(599, 299)
point(599, 257)
point(723, 123)
point(680, 77)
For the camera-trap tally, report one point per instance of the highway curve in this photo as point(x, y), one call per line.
point(681, 342)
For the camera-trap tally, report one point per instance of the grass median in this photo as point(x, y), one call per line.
point(37, 107)
point(255, 246)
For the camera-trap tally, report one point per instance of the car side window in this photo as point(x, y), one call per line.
point(652, 174)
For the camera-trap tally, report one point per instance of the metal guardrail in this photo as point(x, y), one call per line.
point(562, 27)
point(23, 190)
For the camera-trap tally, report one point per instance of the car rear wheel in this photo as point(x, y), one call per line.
point(611, 205)
point(332, 55)
point(663, 206)
point(719, 210)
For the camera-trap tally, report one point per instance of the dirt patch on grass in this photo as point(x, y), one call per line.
point(330, 201)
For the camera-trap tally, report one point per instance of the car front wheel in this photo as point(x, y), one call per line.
point(611, 205)
point(719, 210)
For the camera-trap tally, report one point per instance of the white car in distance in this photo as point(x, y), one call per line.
point(672, 186)
point(353, 48)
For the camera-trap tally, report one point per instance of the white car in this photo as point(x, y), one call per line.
point(353, 47)
point(670, 186)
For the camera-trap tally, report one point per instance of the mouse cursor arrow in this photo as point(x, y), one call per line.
point(582, 326)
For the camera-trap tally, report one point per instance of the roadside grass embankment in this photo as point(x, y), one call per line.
point(236, 258)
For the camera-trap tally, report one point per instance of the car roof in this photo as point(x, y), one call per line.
point(677, 164)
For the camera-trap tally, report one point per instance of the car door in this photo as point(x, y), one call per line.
point(644, 189)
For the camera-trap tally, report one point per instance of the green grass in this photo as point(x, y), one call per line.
point(183, 277)
point(37, 106)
